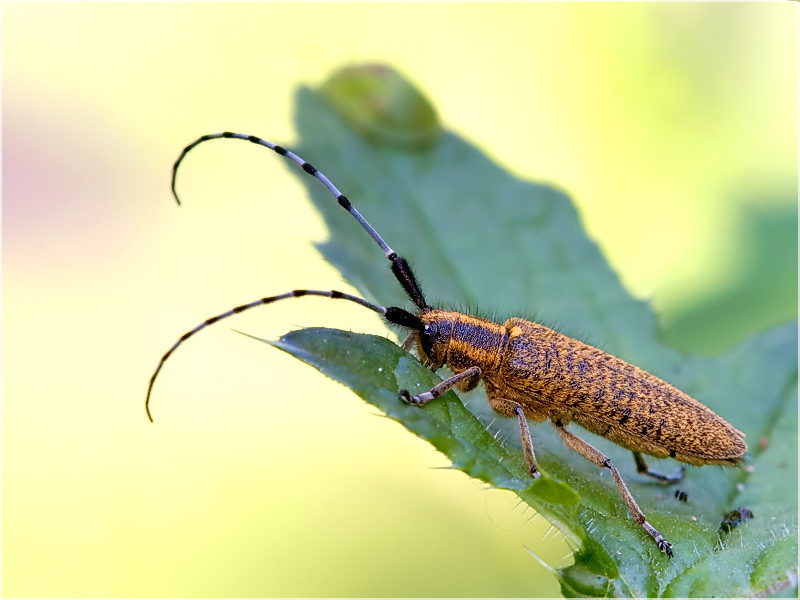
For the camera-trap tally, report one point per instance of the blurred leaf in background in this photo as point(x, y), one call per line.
point(766, 267)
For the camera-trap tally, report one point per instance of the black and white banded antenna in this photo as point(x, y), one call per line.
point(400, 267)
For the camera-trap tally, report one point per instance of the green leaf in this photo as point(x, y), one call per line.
point(477, 236)
point(384, 108)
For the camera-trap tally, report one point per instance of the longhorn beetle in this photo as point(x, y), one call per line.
point(531, 372)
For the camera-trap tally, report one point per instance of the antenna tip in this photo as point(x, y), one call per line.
point(147, 398)
point(147, 409)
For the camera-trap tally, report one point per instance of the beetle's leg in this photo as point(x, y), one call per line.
point(601, 460)
point(408, 343)
point(509, 408)
point(470, 376)
point(641, 467)
point(527, 442)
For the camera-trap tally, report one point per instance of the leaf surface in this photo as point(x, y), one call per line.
point(485, 242)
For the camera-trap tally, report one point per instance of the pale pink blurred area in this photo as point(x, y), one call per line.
point(235, 491)
point(65, 201)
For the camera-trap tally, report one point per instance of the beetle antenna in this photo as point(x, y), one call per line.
point(395, 315)
point(400, 268)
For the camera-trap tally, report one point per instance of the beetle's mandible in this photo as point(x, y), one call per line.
point(532, 372)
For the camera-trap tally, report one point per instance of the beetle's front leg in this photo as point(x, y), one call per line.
point(465, 380)
point(409, 341)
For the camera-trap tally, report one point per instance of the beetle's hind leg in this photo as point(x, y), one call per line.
point(589, 452)
point(641, 467)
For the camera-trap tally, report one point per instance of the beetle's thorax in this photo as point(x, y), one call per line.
point(461, 341)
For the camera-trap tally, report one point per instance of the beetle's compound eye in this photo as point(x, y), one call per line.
point(427, 336)
point(431, 330)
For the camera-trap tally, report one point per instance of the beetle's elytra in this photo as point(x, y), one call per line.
point(532, 372)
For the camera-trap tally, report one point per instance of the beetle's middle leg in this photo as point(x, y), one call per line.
point(641, 467)
point(509, 408)
point(601, 460)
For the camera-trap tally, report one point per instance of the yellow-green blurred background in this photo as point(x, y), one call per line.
point(674, 128)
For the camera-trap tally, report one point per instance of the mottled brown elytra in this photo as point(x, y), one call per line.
point(532, 372)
